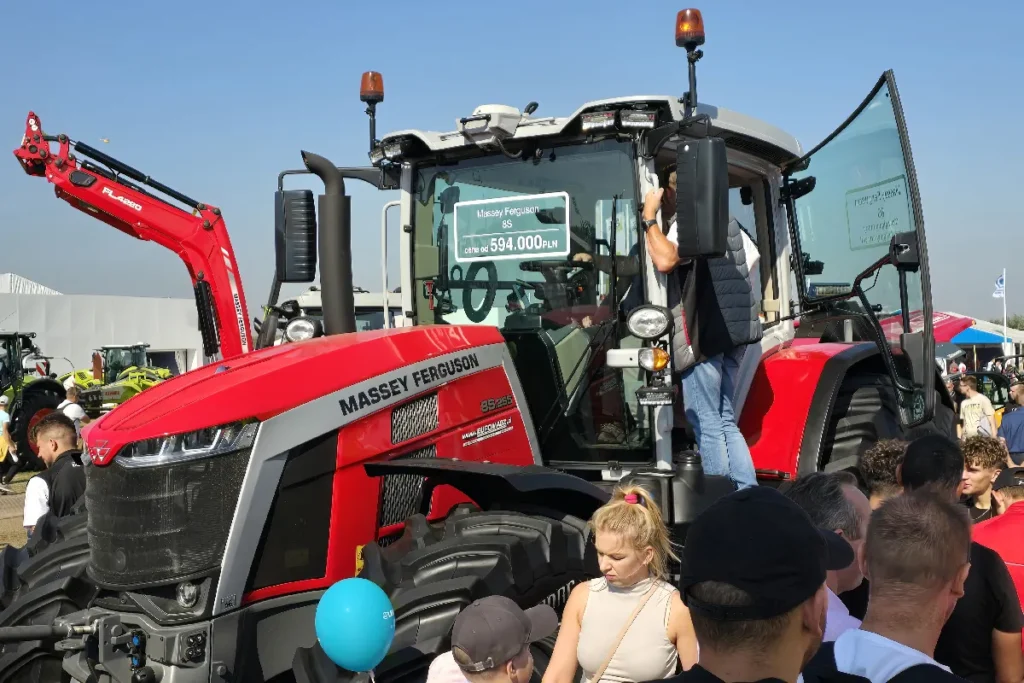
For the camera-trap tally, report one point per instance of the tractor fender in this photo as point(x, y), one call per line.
point(787, 429)
point(789, 404)
point(494, 486)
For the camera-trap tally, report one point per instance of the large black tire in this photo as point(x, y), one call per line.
point(39, 399)
point(49, 583)
point(866, 411)
point(433, 571)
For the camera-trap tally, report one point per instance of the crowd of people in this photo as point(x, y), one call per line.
point(910, 572)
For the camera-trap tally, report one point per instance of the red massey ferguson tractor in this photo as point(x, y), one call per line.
point(461, 456)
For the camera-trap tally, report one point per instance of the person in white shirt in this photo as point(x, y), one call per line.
point(834, 502)
point(74, 411)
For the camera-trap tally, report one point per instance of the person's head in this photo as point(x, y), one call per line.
point(1017, 391)
point(72, 394)
point(834, 502)
point(969, 385)
point(631, 538)
point(3, 402)
point(53, 435)
point(1008, 488)
point(933, 462)
point(878, 466)
point(491, 639)
point(754, 569)
point(916, 557)
point(984, 459)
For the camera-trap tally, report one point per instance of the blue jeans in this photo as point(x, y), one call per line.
point(708, 388)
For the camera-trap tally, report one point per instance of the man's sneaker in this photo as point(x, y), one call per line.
point(5, 490)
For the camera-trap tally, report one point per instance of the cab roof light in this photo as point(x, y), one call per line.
point(371, 87)
point(598, 120)
point(637, 118)
point(689, 29)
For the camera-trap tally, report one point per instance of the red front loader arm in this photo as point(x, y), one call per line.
point(200, 238)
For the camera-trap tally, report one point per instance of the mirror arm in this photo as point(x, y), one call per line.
point(880, 340)
point(653, 141)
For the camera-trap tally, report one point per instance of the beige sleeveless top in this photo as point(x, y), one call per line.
point(645, 653)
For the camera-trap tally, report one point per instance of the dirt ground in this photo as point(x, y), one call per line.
point(11, 510)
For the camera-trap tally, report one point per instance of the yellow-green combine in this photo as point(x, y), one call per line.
point(119, 372)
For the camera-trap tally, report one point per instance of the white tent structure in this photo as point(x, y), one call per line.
point(11, 283)
point(69, 327)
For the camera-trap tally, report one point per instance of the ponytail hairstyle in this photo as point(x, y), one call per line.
point(633, 514)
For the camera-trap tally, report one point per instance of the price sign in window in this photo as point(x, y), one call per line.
point(536, 226)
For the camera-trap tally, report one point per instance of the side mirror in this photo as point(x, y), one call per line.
point(702, 197)
point(295, 235)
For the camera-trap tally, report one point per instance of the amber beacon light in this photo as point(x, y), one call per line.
point(689, 29)
point(371, 86)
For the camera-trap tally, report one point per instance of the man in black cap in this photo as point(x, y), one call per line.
point(491, 642)
point(753, 578)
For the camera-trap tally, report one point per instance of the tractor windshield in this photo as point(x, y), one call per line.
point(526, 245)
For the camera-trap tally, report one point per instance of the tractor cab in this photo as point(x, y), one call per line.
point(531, 224)
point(117, 359)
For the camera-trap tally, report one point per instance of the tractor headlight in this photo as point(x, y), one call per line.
point(202, 443)
point(648, 321)
point(302, 329)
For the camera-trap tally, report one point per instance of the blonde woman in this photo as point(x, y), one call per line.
point(630, 625)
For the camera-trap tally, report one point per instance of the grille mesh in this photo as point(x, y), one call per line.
point(151, 525)
point(400, 493)
point(414, 418)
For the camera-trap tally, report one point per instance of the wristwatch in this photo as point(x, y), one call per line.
point(649, 222)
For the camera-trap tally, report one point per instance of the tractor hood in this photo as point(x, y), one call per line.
point(265, 383)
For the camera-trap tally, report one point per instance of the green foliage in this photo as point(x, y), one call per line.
point(1015, 321)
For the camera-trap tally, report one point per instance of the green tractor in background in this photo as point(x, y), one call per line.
point(31, 391)
point(118, 373)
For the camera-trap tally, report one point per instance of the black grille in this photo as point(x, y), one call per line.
point(414, 419)
point(400, 493)
point(151, 525)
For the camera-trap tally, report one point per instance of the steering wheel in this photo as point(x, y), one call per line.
point(478, 315)
point(555, 265)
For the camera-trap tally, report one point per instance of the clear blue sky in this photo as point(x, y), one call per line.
point(215, 98)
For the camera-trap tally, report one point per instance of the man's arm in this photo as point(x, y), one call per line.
point(664, 254)
point(1006, 632)
point(37, 502)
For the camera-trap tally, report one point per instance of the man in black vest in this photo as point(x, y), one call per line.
point(56, 489)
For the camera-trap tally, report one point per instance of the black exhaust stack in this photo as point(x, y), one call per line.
point(335, 237)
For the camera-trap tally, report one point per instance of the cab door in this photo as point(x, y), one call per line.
point(859, 243)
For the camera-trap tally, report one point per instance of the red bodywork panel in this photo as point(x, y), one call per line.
point(773, 421)
point(200, 239)
point(271, 381)
point(356, 495)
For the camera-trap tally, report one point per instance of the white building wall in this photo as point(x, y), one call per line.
point(72, 326)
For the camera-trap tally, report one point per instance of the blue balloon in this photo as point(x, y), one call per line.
point(355, 624)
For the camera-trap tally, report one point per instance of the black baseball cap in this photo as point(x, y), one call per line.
point(761, 542)
point(493, 630)
point(1013, 476)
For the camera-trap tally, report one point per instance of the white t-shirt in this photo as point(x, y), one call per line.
point(875, 657)
point(73, 412)
point(37, 500)
point(444, 670)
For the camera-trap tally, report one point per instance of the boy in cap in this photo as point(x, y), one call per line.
point(754, 568)
point(491, 643)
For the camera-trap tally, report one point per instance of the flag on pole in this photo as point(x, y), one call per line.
point(1000, 288)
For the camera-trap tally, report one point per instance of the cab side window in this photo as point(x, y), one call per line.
point(748, 203)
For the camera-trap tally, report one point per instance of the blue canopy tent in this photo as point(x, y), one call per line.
point(972, 336)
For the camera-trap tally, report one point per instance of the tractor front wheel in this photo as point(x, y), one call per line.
point(433, 571)
point(36, 404)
